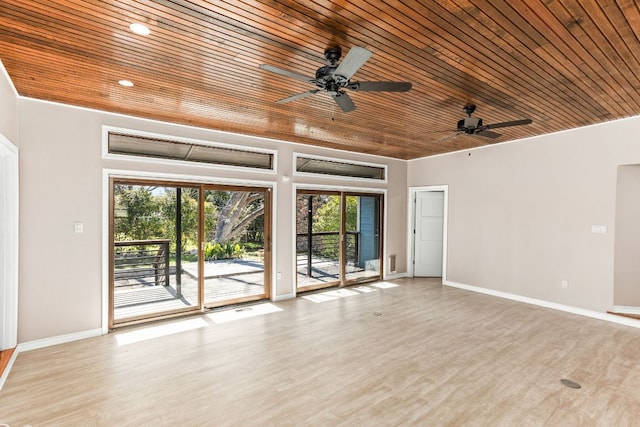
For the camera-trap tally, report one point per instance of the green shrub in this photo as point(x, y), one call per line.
point(217, 251)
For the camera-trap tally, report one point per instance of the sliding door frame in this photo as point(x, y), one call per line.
point(151, 316)
point(110, 176)
point(268, 268)
point(381, 237)
point(343, 191)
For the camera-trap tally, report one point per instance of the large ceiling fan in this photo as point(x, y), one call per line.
point(335, 77)
point(474, 125)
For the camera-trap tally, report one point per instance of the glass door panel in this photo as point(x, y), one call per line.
point(154, 253)
point(236, 232)
point(318, 239)
point(338, 238)
point(362, 237)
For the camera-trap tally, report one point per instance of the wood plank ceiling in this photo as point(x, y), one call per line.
point(562, 63)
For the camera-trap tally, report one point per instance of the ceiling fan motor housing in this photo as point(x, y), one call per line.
point(469, 124)
point(333, 55)
point(327, 71)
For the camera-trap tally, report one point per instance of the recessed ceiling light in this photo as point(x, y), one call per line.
point(126, 83)
point(139, 28)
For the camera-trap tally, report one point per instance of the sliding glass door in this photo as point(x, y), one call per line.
point(236, 258)
point(154, 255)
point(338, 238)
point(362, 237)
point(318, 239)
point(178, 248)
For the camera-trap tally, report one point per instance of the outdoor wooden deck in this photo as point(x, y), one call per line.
point(328, 271)
point(224, 281)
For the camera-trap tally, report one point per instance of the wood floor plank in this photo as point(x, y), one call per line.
point(415, 354)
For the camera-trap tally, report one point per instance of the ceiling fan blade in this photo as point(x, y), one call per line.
point(351, 63)
point(298, 96)
point(507, 124)
point(488, 134)
point(285, 73)
point(345, 103)
point(448, 137)
point(380, 86)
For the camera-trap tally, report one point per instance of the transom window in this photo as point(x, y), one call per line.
point(161, 148)
point(334, 167)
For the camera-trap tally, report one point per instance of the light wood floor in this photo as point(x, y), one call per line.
point(415, 354)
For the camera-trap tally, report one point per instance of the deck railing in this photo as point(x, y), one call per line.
point(141, 261)
point(326, 245)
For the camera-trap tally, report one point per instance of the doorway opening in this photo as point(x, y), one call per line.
point(181, 247)
point(338, 238)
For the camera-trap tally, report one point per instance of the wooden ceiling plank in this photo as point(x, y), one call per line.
point(590, 35)
point(625, 23)
point(553, 15)
point(489, 61)
point(518, 44)
point(73, 36)
point(605, 30)
point(631, 12)
point(541, 43)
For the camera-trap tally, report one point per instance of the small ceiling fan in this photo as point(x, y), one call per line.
point(474, 126)
point(335, 77)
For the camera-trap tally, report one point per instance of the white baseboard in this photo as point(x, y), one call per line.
point(60, 339)
point(5, 374)
point(548, 304)
point(626, 310)
point(395, 276)
point(283, 297)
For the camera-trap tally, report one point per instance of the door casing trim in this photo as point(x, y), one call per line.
point(9, 176)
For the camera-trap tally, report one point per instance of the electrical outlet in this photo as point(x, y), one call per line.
point(564, 284)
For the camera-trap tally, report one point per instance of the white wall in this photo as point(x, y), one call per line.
point(520, 214)
point(61, 183)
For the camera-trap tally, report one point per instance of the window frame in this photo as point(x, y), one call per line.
point(140, 158)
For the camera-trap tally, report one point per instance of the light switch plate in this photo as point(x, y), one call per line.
point(599, 229)
point(78, 227)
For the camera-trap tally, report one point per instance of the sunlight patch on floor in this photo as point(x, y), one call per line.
point(330, 295)
point(364, 289)
point(341, 293)
point(318, 298)
point(384, 285)
point(243, 312)
point(158, 331)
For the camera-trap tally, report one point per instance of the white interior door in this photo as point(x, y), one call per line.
point(428, 233)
